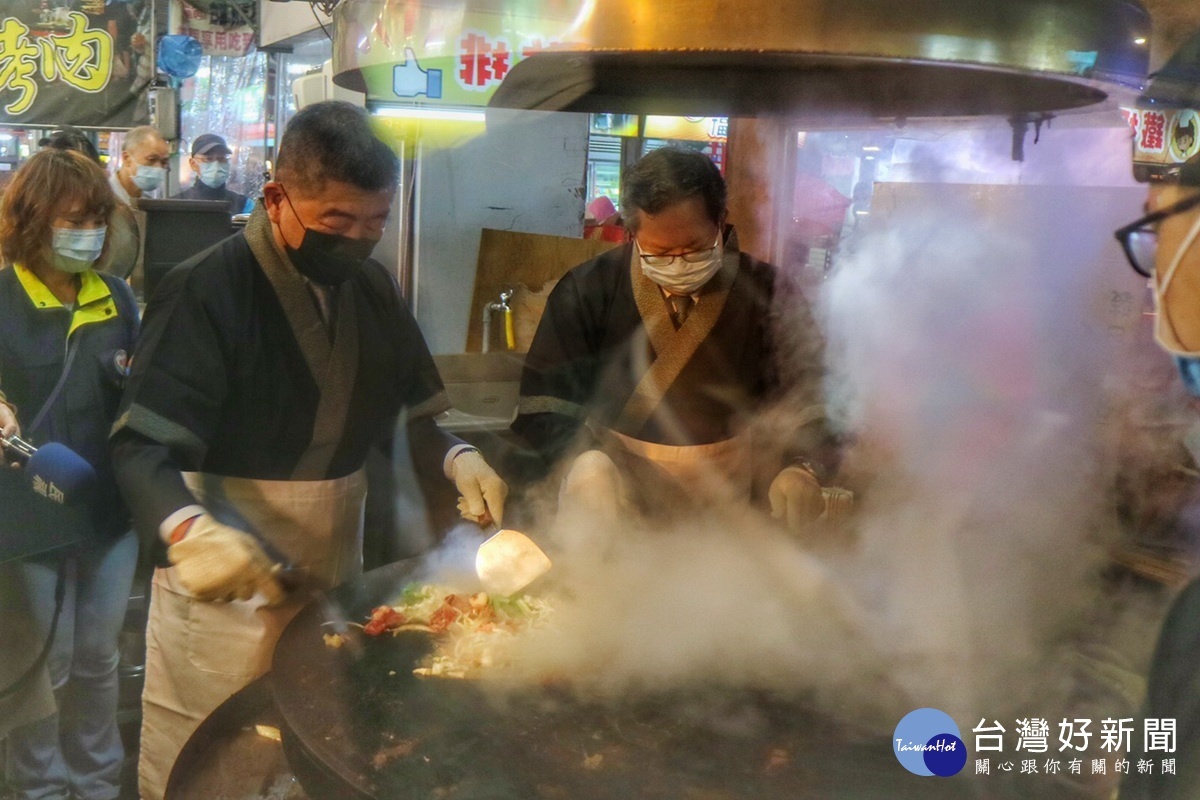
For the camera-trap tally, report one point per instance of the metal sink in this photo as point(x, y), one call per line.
point(483, 389)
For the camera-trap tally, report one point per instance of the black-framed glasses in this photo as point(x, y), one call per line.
point(691, 257)
point(1139, 239)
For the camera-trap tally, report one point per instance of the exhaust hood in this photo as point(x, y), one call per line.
point(837, 58)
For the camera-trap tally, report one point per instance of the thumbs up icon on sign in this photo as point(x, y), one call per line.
point(410, 80)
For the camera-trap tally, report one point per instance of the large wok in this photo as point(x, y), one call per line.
point(358, 724)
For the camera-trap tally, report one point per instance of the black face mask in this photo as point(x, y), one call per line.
point(328, 257)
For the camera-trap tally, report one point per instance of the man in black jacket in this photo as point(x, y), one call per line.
point(210, 165)
point(269, 367)
point(651, 361)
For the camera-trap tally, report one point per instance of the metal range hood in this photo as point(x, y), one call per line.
point(838, 58)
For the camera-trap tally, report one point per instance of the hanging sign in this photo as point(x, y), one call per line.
point(86, 64)
point(1163, 139)
point(224, 29)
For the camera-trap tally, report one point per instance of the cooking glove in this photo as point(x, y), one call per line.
point(795, 497)
point(593, 488)
point(482, 490)
point(217, 562)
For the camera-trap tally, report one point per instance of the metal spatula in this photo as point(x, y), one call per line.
point(508, 562)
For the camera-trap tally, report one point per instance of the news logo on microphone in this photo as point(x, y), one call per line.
point(47, 489)
point(54, 471)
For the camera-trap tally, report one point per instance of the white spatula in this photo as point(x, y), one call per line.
point(508, 562)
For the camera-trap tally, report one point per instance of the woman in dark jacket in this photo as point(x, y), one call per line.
point(65, 335)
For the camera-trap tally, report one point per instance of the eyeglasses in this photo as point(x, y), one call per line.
point(1139, 239)
point(691, 257)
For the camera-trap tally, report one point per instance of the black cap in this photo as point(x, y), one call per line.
point(209, 144)
point(1177, 84)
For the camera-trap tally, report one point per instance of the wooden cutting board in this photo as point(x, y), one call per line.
point(528, 263)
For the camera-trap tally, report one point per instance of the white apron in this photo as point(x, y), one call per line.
point(200, 653)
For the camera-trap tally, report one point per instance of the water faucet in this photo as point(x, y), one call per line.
point(510, 339)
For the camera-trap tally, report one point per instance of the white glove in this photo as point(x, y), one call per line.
point(482, 490)
point(592, 488)
point(217, 562)
point(795, 496)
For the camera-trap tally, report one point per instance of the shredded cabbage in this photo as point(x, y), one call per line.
point(477, 639)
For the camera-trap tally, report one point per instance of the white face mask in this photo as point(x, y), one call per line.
point(76, 249)
point(148, 179)
point(1162, 332)
point(684, 277)
point(214, 174)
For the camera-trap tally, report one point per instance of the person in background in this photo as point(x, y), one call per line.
point(69, 138)
point(145, 157)
point(65, 335)
point(210, 164)
point(650, 359)
point(269, 367)
point(122, 242)
point(601, 221)
point(1164, 247)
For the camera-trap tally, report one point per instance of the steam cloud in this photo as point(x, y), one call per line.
point(985, 522)
point(966, 365)
point(968, 369)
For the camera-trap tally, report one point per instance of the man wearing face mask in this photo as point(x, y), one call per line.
point(145, 157)
point(1164, 247)
point(268, 367)
point(210, 164)
point(651, 360)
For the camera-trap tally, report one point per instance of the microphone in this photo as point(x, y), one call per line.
point(55, 471)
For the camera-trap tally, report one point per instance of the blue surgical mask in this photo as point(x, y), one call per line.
point(149, 178)
point(76, 249)
point(213, 174)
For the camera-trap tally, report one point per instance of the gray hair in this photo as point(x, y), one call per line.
point(139, 135)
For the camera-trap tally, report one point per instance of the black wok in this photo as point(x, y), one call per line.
point(230, 755)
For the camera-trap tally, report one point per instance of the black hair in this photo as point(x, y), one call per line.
point(69, 138)
point(668, 176)
point(333, 141)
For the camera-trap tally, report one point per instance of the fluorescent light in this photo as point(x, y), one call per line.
point(1140, 40)
point(871, 148)
point(447, 114)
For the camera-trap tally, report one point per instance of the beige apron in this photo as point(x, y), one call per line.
point(200, 653)
point(705, 473)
